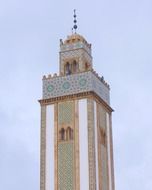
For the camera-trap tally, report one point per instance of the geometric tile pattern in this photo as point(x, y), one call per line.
point(74, 84)
point(65, 112)
point(80, 54)
point(65, 166)
point(75, 46)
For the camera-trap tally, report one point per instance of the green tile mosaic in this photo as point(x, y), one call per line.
point(65, 112)
point(65, 166)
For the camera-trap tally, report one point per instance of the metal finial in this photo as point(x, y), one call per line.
point(75, 21)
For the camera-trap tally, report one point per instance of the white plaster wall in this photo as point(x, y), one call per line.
point(96, 145)
point(50, 147)
point(109, 153)
point(83, 136)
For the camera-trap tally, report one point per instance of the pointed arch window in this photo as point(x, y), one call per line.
point(62, 134)
point(69, 134)
point(75, 67)
point(86, 66)
point(67, 68)
point(103, 137)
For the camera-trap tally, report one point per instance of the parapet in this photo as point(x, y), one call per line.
point(89, 81)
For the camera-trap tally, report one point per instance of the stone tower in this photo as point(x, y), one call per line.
point(76, 127)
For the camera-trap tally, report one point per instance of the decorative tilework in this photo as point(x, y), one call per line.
point(81, 55)
point(50, 88)
point(67, 153)
point(65, 166)
point(75, 53)
point(65, 112)
point(82, 82)
point(66, 85)
point(74, 84)
point(75, 46)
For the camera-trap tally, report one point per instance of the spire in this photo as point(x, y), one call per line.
point(75, 21)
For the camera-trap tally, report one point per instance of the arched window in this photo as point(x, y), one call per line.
point(103, 137)
point(67, 69)
point(69, 134)
point(86, 66)
point(62, 134)
point(75, 67)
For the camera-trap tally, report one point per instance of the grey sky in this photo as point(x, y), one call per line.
point(121, 37)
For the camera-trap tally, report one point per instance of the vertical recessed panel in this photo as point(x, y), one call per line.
point(83, 136)
point(65, 166)
point(50, 147)
point(66, 158)
point(96, 145)
point(109, 152)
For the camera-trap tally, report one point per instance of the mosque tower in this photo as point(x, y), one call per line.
point(76, 127)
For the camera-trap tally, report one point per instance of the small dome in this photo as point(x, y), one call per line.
point(75, 38)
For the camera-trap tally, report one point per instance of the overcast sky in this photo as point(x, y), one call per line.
point(121, 35)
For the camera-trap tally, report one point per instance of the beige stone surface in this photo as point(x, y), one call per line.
point(43, 147)
point(91, 144)
point(82, 55)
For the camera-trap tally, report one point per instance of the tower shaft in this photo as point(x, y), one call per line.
point(76, 127)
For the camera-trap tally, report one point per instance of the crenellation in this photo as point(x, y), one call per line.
point(44, 77)
point(61, 42)
point(55, 75)
point(75, 83)
point(101, 79)
point(74, 111)
point(49, 76)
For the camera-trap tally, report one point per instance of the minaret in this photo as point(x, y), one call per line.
point(76, 127)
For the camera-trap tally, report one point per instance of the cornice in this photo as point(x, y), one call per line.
point(82, 95)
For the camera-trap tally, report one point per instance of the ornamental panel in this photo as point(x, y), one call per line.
point(75, 46)
point(65, 166)
point(65, 112)
point(74, 84)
